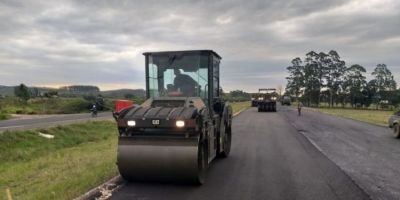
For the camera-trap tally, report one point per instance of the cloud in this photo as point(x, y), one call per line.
point(101, 42)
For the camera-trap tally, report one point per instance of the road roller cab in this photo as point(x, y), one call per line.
point(182, 126)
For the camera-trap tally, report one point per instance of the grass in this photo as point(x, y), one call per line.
point(80, 157)
point(58, 105)
point(376, 117)
point(4, 116)
point(237, 106)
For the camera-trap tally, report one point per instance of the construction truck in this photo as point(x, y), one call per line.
point(254, 100)
point(267, 98)
point(182, 126)
point(286, 100)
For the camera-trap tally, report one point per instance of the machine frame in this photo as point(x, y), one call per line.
point(147, 146)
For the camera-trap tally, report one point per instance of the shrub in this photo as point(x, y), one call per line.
point(396, 110)
point(4, 116)
point(75, 106)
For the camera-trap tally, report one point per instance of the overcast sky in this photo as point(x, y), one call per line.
point(53, 43)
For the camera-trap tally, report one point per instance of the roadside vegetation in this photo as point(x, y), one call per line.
point(13, 105)
point(377, 117)
point(327, 78)
point(237, 106)
point(4, 116)
point(22, 99)
point(78, 158)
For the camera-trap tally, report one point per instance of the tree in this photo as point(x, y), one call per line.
point(312, 78)
point(372, 93)
point(34, 92)
point(22, 92)
point(320, 71)
point(383, 81)
point(129, 96)
point(296, 77)
point(50, 94)
point(279, 90)
point(355, 83)
point(334, 69)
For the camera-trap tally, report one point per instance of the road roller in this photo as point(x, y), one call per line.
point(267, 100)
point(182, 126)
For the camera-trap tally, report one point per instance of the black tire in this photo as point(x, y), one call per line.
point(202, 162)
point(396, 130)
point(226, 143)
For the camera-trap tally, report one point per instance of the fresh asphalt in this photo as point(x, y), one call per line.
point(369, 154)
point(50, 120)
point(273, 158)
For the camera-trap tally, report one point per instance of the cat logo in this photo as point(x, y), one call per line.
point(155, 122)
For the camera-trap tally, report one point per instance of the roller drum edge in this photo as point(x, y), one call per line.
point(159, 159)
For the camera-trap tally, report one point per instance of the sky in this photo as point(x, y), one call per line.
point(95, 42)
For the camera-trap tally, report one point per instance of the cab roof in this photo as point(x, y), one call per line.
point(185, 51)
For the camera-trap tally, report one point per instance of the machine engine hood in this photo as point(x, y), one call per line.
point(141, 112)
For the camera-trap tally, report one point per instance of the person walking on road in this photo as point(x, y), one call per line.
point(299, 106)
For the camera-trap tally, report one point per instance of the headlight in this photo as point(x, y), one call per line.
point(260, 98)
point(180, 123)
point(131, 123)
point(273, 98)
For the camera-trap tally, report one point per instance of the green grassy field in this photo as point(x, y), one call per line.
point(12, 105)
point(237, 106)
point(377, 117)
point(80, 157)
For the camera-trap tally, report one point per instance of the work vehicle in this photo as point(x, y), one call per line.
point(182, 126)
point(254, 100)
point(394, 124)
point(267, 100)
point(286, 100)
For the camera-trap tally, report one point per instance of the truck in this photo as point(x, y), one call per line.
point(286, 100)
point(394, 124)
point(267, 100)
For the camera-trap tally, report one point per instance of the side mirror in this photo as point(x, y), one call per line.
point(115, 115)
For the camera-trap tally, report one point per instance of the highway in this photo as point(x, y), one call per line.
point(284, 156)
point(41, 121)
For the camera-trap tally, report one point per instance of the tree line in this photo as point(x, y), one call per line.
point(325, 77)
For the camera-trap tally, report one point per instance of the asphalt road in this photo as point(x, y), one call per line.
point(49, 120)
point(369, 154)
point(270, 159)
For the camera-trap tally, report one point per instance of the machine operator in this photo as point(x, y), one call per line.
point(184, 83)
